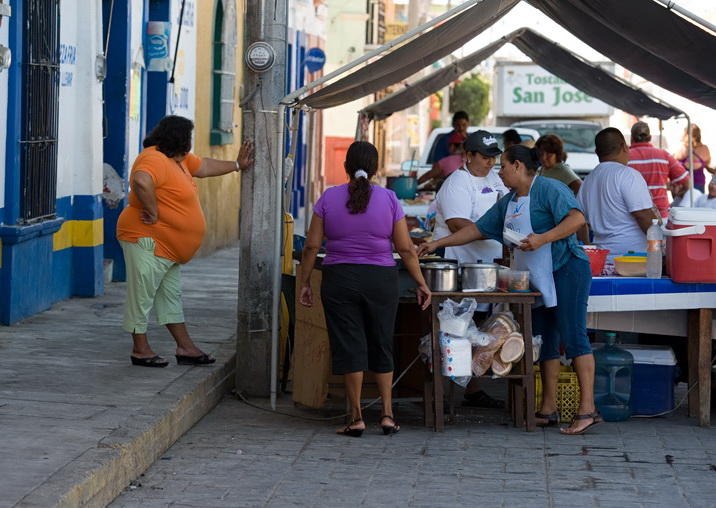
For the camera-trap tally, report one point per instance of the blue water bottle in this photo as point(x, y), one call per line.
point(612, 380)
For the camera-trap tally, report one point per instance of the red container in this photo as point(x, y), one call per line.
point(597, 258)
point(691, 245)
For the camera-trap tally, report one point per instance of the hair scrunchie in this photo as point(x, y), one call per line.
point(360, 174)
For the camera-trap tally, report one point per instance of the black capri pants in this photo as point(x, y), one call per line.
point(360, 303)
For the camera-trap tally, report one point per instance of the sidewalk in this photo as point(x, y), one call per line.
point(77, 421)
point(239, 456)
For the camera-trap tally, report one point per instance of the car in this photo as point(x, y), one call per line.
point(578, 137)
point(426, 160)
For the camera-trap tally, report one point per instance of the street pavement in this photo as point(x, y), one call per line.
point(239, 456)
point(76, 417)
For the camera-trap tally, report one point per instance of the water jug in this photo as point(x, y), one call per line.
point(612, 380)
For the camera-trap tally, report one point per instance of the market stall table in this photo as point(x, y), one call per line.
point(638, 304)
point(522, 383)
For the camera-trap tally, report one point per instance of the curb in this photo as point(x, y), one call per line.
point(98, 475)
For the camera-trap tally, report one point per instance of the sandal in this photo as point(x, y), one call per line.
point(389, 429)
point(351, 432)
point(482, 399)
point(595, 416)
point(154, 361)
point(202, 359)
point(552, 419)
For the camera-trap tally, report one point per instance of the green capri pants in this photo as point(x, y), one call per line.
point(151, 282)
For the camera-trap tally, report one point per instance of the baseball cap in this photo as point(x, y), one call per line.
point(456, 139)
point(482, 142)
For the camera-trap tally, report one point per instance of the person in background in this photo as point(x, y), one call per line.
point(615, 198)
point(702, 156)
point(359, 289)
point(161, 229)
point(548, 215)
point(511, 138)
point(708, 200)
point(552, 157)
point(460, 124)
point(447, 165)
point(463, 199)
point(681, 195)
point(658, 167)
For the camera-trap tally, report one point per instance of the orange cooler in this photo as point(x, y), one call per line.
point(691, 245)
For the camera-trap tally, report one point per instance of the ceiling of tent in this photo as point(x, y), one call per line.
point(640, 35)
point(559, 61)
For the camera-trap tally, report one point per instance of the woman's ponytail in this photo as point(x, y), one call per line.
point(361, 165)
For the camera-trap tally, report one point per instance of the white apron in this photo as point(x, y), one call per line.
point(538, 262)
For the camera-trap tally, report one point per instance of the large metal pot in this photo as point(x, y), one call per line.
point(479, 277)
point(440, 277)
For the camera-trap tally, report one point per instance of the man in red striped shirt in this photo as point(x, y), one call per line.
point(657, 166)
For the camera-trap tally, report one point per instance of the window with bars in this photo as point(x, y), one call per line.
point(40, 110)
point(224, 73)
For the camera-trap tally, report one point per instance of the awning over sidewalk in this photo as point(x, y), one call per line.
point(417, 91)
point(645, 38)
point(412, 56)
point(589, 78)
point(559, 61)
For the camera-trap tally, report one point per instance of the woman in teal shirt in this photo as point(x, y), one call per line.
point(558, 267)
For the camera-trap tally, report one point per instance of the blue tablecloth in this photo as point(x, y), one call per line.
point(619, 294)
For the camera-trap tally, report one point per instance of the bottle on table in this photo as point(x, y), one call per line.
point(654, 250)
point(612, 380)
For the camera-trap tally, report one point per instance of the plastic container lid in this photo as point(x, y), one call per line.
point(631, 259)
point(651, 355)
point(692, 216)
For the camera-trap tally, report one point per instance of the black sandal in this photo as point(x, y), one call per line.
point(595, 416)
point(154, 361)
point(202, 359)
point(389, 429)
point(552, 419)
point(351, 432)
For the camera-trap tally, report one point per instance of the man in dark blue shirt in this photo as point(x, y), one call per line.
point(460, 123)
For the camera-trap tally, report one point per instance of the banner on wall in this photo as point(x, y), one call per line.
point(157, 46)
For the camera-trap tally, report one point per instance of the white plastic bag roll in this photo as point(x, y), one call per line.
point(456, 356)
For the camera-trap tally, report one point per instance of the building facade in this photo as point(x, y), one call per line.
point(86, 83)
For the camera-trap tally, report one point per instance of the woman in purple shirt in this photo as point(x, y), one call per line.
point(359, 290)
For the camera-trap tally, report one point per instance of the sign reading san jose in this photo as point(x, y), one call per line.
point(528, 90)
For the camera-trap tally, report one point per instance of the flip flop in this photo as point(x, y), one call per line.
point(596, 418)
point(154, 361)
point(202, 359)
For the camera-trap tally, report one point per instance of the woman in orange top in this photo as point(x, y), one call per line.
point(162, 228)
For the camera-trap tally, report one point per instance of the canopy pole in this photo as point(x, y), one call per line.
point(688, 14)
point(691, 159)
point(291, 98)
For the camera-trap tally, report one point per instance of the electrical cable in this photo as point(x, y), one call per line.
point(326, 419)
point(176, 47)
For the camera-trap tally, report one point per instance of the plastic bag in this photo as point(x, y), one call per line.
point(456, 317)
point(536, 347)
point(477, 337)
point(461, 381)
point(456, 356)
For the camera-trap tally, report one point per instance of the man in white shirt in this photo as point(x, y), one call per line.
point(615, 198)
point(467, 194)
point(682, 195)
point(708, 200)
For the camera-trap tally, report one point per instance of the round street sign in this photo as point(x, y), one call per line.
point(315, 59)
point(260, 56)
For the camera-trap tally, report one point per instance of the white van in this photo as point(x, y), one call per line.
point(578, 137)
point(426, 160)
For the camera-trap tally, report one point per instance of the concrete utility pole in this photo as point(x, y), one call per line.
point(264, 20)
